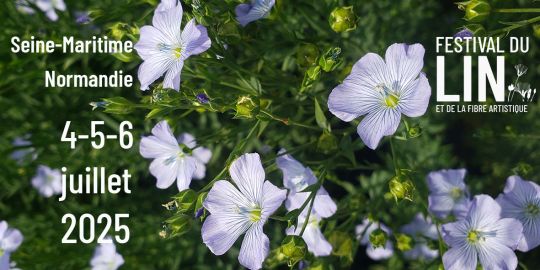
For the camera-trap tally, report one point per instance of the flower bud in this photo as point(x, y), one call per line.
point(307, 54)
point(404, 242)
point(95, 13)
point(342, 246)
point(477, 30)
point(202, 98)
point(199, 209)
point(118, 30)
point(536, 30)
point(342, 19)
point(378, 238)
point(331, 59)
point(327, 142)
point(312, 74)
point(245, 107)
point(294, 248)
point(114, 105)
point(177, 225)
point(185, 200)
point(476, 10)
point(401, 189)
point(523, 169)
point(414, 131)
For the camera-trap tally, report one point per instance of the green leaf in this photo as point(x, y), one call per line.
point(320, 117)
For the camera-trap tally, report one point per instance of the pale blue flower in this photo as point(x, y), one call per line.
point(465, 33)
point(50, 7)
point(241, 208)
point(383, 89)
point(314, 238)
point(82, 17)
point(257, 9)
point(422, 230)
point(296, 178)
point(482, 235)
point(10, 240)
point(47, 181)
point(521, 200)
point(172, 160)
point(164, 46)
point(25, 151)
point(362, 234)
point(448, 193)
point(105, 257)
point(23, 7)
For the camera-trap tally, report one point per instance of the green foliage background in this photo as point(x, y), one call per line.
point(260, 61)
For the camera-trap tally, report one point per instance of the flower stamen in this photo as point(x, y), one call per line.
point(390, 97)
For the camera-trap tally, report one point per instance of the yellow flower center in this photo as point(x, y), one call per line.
point(473, 236)
point(456, 193)
point(255, 215)
point(532, 210)
point(390, 97)
point(177, 52)
point(391, 101)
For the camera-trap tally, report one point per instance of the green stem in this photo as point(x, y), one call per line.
point(394, 156)
point(515, 25)
point(306, 221)
point(518, 10)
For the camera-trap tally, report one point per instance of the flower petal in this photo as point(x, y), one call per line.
point(220, 231)
point(196, 39)
point(59, 4)
point(484, 212)
point(324, 206)
point(166, 4)
point(224, 197)
point(248, 174)
point(443, 181)
point(440, 205)
point(272, 199)
point(357, 96)
point(51, 14)
point(186, 169)
point(187, 140)
point(380, 253)
point(165, 170)
point(4, 261)
point(460, 258)
point(255, 248)
point(296, 177)
point(242, 9)
point(506, 230)
point(415, 99)
point(296, 200)
point(200, 170)
point(161, 144)
point(3, 228)
point(12, 239)
point(153, 68)
point(172, 74)
point(455, 233)
point(202, 154)
point(497, 256)
point(375, 125)
point(150, 38)
point(315, 240)
point(169, 22)
point(404, 63)
point(249, 13)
